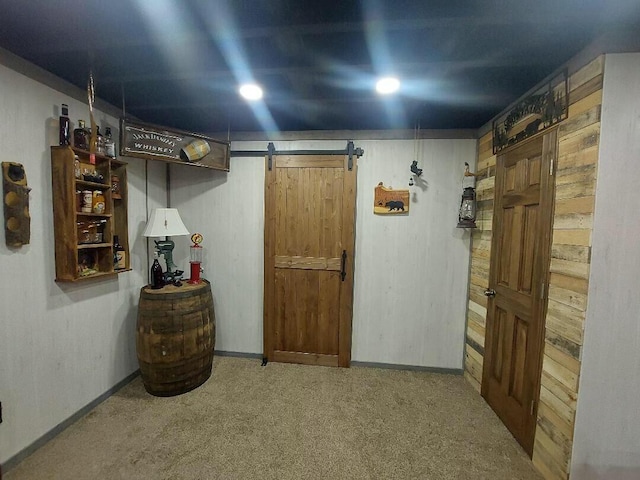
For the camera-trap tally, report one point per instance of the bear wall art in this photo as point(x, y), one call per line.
point(387, 201)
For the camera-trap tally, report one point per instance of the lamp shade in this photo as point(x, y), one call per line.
point(165, 222)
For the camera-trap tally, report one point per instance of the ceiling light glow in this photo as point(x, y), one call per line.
point(387, 85)
point(251, 91)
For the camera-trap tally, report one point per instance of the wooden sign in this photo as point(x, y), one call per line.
point(173, 146)
point(387, 201)
point(17, 221)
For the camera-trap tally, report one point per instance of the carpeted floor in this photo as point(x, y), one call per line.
point(288, 422)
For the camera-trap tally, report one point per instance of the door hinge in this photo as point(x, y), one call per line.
point(533, 404)
point(551, 167)
point(542, 290)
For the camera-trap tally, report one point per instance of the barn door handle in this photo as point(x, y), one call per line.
point(490, 292)
point(343, 271)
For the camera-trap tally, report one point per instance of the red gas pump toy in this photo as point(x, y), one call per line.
point(195, 258)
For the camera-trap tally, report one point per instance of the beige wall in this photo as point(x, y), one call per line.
point(62, 345)
point(607, 441)
point(410, 270)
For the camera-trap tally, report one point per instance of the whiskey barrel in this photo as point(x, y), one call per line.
point(175, 338)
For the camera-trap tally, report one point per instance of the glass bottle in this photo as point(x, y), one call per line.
point(157, 277)
point(99, 141)
point(65, 138)
point(109, 144)
point(76, 167)
point(81, 136)
point(119, 255)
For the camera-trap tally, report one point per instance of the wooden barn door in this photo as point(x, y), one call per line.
point(309, 244)
point(518, 279)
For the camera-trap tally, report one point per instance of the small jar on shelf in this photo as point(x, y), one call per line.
point(87, 201)
point(98, 203)
point(115, 186)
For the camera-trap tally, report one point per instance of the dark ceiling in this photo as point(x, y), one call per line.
point(179, 63)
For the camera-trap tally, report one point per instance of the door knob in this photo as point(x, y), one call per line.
point(490, 292)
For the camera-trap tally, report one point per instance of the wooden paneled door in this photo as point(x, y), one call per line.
point(518, 280)
point(308, 265)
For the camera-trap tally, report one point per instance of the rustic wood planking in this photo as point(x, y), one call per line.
point(573, 253)
point(578, 285)
point(561, 381)
point(586, 103)
point(575, 205)
point(565, 320)
point(348, 244)
point(578, 144)
point(472, 381)
point(272, 309)
point(473, 368)
point(575, 236)
point(563, 344)
point(559, 452)
point(545, 464)
point(308, 263)
point(568, 268)
point(568, 297)
point(477, 318)
point(476, 333)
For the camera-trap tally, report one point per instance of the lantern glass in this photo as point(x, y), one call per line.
point(467, 214)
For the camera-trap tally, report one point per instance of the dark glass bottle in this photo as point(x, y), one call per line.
point(81, 136)
point(157, 277)
point(119, 255)
point(99, 141)
point(65, 135)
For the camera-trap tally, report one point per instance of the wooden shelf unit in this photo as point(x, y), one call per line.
point(76, 258)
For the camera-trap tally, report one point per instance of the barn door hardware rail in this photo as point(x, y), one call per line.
point(349, 150)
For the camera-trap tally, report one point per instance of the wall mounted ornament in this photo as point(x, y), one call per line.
point(543, 108)
point(387, 201)
point(467, 211)
point(17, 221)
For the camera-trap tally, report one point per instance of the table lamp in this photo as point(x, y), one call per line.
point(166, 222)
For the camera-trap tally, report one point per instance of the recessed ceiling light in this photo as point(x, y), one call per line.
point(251, 91)
point(387, 85)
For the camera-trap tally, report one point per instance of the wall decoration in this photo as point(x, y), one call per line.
point(387, 201)
point(174, 146)
point(467, 210)
point(17, 221)
point(543, 108)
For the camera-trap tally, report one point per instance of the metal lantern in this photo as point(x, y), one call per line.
point(467, 214)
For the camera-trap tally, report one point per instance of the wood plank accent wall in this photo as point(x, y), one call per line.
point(578, 138)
